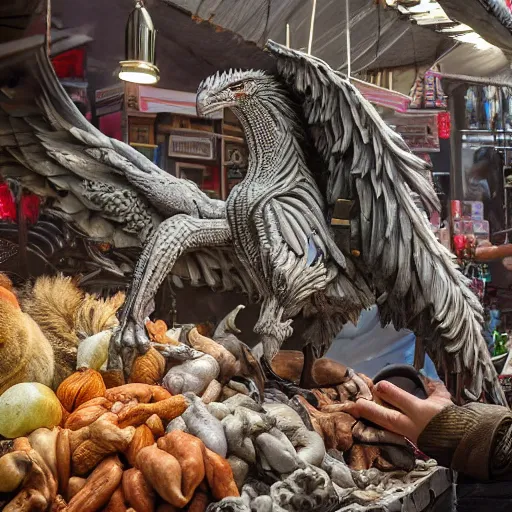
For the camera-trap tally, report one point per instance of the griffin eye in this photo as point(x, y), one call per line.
point(237, 87)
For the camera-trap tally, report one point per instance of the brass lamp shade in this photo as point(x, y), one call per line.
point(139, 66)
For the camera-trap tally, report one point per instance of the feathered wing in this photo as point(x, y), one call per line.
point(217, 268)
point(417, 284)
point(105, 187)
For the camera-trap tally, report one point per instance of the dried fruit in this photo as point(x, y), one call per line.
point(101, 400)
point(148, 368)
point(158, 332)
point(92, 352)
point(63, 455)
point(188, 451)
point(26, 407)
point(143, 437)
point(113, 378)
point(59, 504)
point(334, 428)
point(166, 507)
point(117, 501)
point(163, 473)
point(14, 467)
point(84, 416)
point(80, 387)
point(137, 491)
point(220, 476)
point(35, 495)
point(227, 361)
point(167, 410)
point(74, 485)
point(92, 444)
point(39, 479)
point(199, 502)
point(143, 393)
point(99, 487)
point(160, 393)
point(212, 392)
point(44, 442)
point(155, 424)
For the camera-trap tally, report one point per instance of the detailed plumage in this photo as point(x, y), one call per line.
point(313, 140)
point(416, 283)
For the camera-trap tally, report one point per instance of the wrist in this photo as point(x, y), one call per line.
point(462, 438)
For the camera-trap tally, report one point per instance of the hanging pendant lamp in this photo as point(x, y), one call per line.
point(139, 66)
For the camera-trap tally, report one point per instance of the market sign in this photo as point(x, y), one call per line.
point(109, 99)
point(383, 97)
point(153, 100)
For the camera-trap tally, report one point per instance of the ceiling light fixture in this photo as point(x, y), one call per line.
point(139, 66)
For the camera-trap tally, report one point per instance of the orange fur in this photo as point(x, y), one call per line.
point(25, 353)
point(6, 283)
point(8, 296)
point(66, 315)
point(39, 342)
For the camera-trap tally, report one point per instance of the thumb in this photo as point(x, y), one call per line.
point(436, 388)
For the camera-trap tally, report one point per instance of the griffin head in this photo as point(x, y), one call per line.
point(230, 90)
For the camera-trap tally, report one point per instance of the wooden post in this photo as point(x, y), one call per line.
point(419, 354)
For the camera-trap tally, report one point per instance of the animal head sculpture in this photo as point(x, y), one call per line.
point(245, 93)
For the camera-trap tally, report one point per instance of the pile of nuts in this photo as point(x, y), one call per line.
point(111, 452)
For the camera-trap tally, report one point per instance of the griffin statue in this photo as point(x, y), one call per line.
point(316, 145)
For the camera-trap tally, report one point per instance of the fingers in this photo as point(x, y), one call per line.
point(438, 389)
point(388, 419)
point(397, 397)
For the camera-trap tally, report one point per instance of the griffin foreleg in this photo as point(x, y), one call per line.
point(271, 327)
point(173, 237)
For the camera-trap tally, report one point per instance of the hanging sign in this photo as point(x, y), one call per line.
point(154, 100)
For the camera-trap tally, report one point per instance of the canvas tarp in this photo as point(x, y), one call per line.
point(379, 37)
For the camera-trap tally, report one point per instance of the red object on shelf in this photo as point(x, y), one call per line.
point(110, 125)
point(213, 181)
point(444, 125)
point(70, 64)
point(459, 243)
point(29, 202)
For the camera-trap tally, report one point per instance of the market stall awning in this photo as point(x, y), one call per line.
point(492, 19)
point(488, 66)
point(379, 37)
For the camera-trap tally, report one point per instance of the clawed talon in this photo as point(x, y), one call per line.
point(128, 341)
point(287, 387)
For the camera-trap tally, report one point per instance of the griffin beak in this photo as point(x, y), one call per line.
point(207, 105)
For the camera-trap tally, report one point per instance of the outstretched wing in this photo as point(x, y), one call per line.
point(103, 186)
point(417, 283)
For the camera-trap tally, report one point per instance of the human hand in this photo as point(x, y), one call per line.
point(412, 415)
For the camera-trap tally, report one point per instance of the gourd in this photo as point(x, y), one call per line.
point(93, 351)
point(26, 407)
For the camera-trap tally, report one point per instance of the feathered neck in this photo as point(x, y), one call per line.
point(268, 119)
